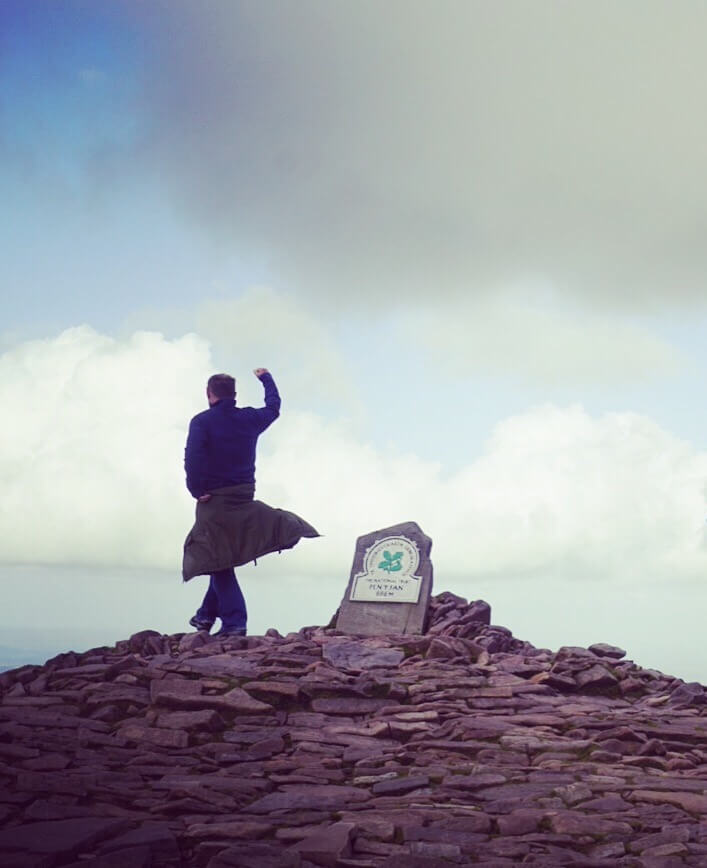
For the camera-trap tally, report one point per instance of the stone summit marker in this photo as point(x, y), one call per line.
point(390, 584)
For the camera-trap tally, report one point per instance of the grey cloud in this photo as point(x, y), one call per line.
point(414, 149)
point(283, 335)
point(543, 343)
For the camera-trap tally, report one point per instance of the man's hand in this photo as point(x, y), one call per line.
point(204, 498)
point(260, 371)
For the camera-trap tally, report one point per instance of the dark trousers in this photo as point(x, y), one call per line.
point(224, 600)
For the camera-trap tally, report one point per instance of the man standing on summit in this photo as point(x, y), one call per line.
point(231, 528)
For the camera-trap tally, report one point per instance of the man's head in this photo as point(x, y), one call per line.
point(220, 386)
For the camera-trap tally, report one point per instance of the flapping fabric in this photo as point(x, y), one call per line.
point(232, 529)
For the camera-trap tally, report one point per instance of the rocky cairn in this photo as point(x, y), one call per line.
point(464, 746)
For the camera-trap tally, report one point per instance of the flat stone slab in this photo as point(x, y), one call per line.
point(354, 655)
point(59, 837)
point(691, 802)
point(236, 700)
point(329, 798)
point(255, 855)
point(328, 846)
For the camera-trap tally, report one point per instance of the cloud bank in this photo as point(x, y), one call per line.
point(539, 340)
point(556, 493)
point(91, 445)
point(413, 149)
point(276, 328)
point(91, 472)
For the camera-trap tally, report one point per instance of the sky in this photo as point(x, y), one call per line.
point(467, 238)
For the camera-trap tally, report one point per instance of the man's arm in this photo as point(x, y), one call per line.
point(195, 457)
point(266, 415)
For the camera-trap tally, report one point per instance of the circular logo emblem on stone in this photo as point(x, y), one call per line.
point(388, 575)
point(392, 556)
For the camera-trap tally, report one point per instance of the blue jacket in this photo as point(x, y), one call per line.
point(220, 448)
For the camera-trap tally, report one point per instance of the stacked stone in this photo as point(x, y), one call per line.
point(464, 746)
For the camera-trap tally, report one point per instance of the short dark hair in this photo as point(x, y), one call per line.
point(222, 386)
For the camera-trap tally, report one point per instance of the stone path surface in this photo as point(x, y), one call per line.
point(464, 746)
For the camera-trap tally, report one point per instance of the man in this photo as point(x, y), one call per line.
point(231, 528)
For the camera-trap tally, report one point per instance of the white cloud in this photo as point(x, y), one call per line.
point(91, 446)
point(556, 493)
point(91, 472)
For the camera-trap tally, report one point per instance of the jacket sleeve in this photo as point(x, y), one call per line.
point(195, 457)
point(266, 415)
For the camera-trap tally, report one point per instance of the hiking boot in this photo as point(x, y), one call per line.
point(224, 632)
point(201, 623)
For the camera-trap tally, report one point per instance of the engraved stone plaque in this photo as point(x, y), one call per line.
point(388, 576)
point(390, 584)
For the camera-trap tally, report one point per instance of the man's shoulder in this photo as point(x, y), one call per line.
point(246, 413)
point(237, 413)
point(200, 417)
